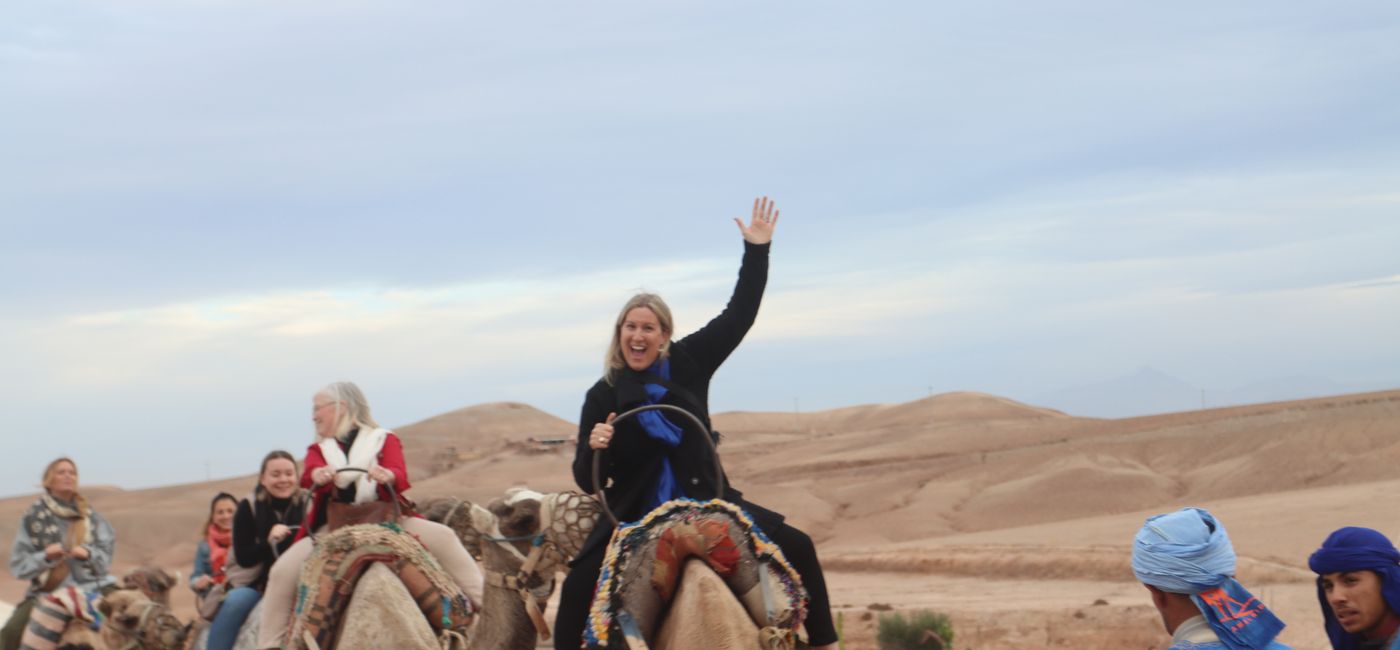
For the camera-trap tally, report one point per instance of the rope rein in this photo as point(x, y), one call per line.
point(544, 552)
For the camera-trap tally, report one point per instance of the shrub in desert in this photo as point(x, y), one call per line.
point(918, 630)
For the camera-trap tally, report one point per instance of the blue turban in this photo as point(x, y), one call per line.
point(1356, 549)
point(1189, 552)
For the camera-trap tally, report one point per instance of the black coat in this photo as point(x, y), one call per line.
point(632, 463)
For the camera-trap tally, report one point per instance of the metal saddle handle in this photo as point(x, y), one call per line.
point(700, 426)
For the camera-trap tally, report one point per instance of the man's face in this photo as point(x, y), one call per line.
point(1355, 599)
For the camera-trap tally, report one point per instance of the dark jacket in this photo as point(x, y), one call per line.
point(632, 463)
point(256, 515)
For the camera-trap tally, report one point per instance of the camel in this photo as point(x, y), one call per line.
point(134, 617)
point(380, 615)
point(523, 539)
point(152, 581)
point(718, 620)
point(694, 575)
point(374, 586)
point(132, 621)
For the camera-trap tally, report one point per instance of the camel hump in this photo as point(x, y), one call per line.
point(382, 614)
point(712, 618)
point(646, 560)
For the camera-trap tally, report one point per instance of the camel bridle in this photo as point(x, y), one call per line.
point(138, 632)
point(546, 552)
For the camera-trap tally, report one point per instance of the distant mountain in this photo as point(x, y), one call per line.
point(1145, 392)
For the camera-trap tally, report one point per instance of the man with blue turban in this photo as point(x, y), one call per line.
point(1187, 563)
point(1358, 586)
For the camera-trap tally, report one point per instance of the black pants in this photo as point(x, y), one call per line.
point(576, 596)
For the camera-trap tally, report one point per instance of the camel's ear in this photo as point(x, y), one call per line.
point(523, 493)
point(104, 607)
point(482, 520)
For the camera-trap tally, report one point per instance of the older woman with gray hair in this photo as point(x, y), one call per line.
point(348, 437)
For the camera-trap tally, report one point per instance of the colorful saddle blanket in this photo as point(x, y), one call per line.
point(52, 613)
point(329, 577)
point(644, 559)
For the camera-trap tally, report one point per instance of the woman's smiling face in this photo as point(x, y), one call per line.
point(279, 478)
point(223, 512)
point(641, 338)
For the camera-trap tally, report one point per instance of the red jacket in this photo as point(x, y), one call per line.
point(390, 457)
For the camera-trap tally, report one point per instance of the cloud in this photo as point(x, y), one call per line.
point(448, 204)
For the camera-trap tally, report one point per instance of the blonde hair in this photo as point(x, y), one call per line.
point(614, 361)
point(351, 407)
point(52, 469)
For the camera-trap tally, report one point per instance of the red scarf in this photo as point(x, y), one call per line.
point(219, 542)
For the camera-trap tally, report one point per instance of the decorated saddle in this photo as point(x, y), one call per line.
point(329, 577)
point(644, 560)
point(54, 611)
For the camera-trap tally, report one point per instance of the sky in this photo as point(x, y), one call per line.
point(211, 209)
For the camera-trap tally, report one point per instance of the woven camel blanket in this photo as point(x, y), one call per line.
point(329, 577)
point(641, 569)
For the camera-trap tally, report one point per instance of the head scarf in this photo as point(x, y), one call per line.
point(41, 521)
point(1189, 552)
point(1356, 549)
point(662, 429)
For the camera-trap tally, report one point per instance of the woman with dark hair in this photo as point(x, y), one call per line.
point(262, 528)
point(215, 540)
point(652, 460)
point(61, 542)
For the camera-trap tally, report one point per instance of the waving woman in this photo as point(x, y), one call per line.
point(652, 460)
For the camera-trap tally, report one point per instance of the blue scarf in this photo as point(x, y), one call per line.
point(1189, 552)
point(659, 428)
point(1356, 549)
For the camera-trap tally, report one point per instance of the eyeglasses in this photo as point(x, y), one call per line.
point(317, 407)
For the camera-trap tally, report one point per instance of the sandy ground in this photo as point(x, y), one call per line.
point(1012, 519)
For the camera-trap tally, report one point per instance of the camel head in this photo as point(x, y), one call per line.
point(516, 518)
point(155, 582)
point(561, 520)
point(133, 618)
point(526, 537)
point(457, 515)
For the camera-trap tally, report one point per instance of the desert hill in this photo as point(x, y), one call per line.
point(967, 502)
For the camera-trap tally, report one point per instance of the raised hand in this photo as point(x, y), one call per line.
point(760, 228)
